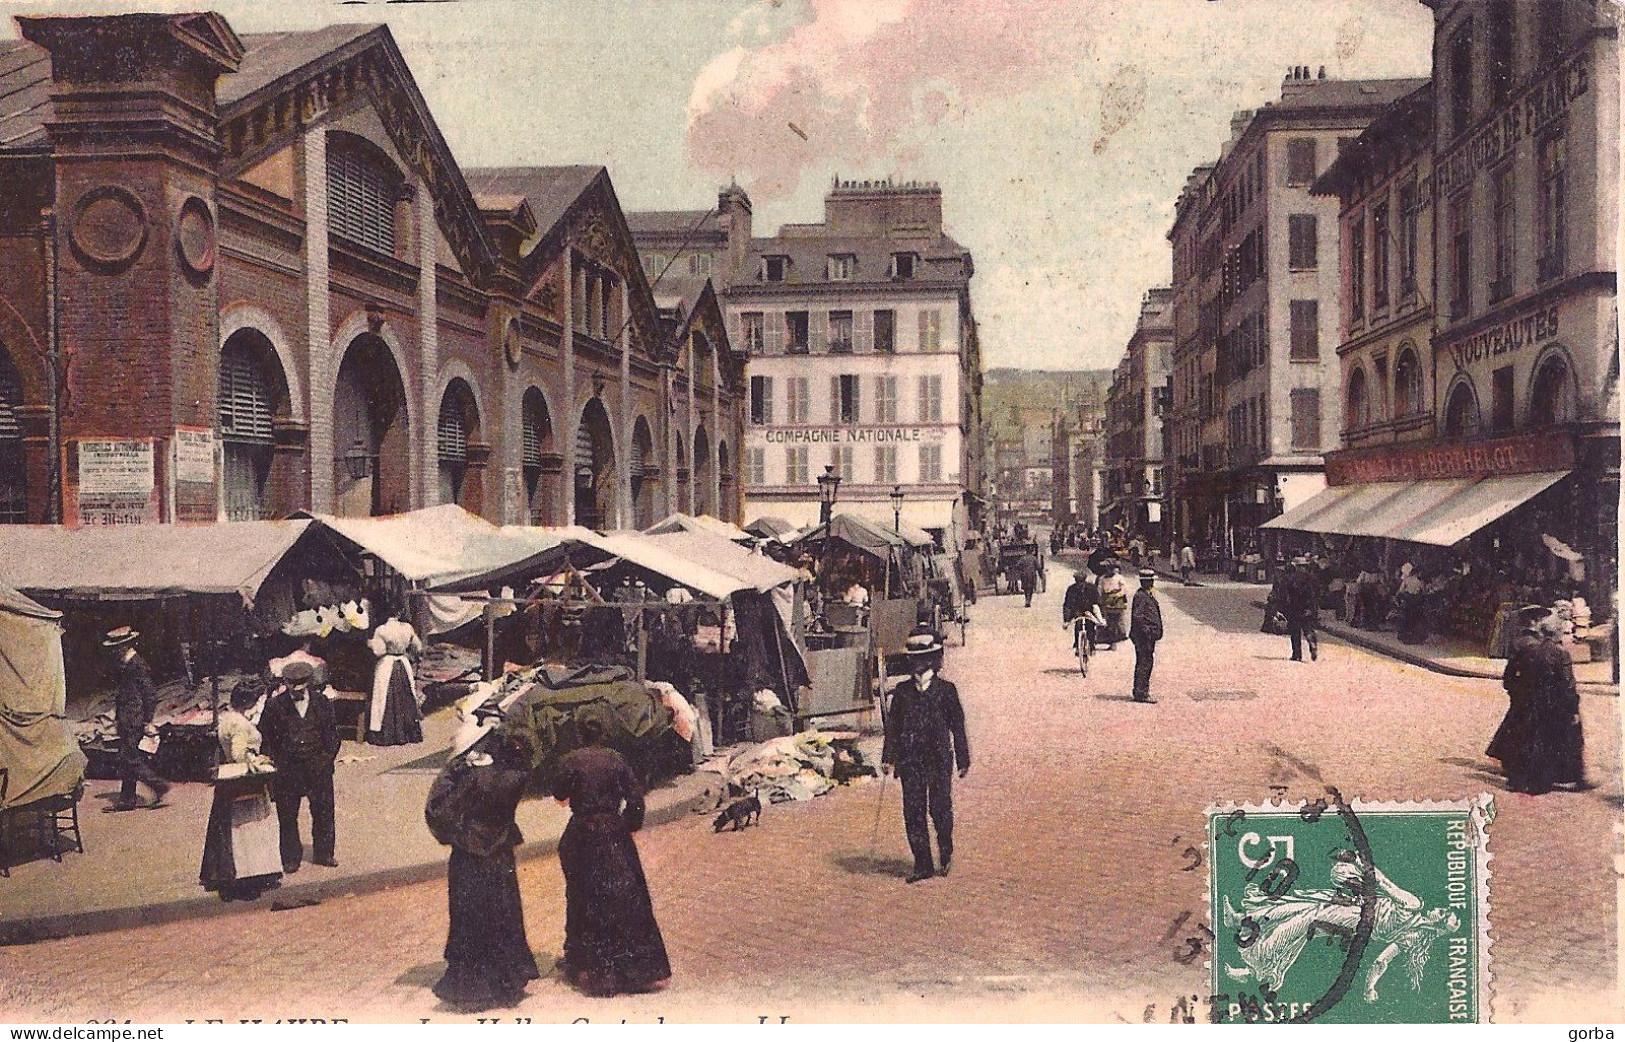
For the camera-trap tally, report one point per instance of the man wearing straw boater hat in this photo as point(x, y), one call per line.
point(925, 738)
point(136, 701)
point(1144, 630)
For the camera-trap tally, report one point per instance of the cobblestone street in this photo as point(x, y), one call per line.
point(1072, 892)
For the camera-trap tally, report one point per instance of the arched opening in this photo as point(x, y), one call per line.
point(725, 483)
point(363, 188)
point(1551, 397)
point(595, 480)
point(682, 476)
point(253, 392)
point(1461, 410)
point(370, 433)
point(1357, 415)
point(1407, 384)
point(645, 474)
point(13, 466)
point(536, 434)
point(457, 426)
point(702, 473)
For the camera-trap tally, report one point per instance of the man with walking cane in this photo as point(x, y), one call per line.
point(925, 740)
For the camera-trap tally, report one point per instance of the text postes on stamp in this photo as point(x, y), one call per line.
point(1350, 912)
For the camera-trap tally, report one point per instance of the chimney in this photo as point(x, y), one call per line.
point(733, 205)
point(1299, 80)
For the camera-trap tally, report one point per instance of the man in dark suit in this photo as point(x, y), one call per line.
point(1300, 603)
point(925, 739)
point(298, 734)
point(136, 701)
point(1144, 630)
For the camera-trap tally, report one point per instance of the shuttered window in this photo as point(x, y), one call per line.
point(11, 399)
point(451, 439)
point(245, 399)
point(360, 200)
point(13, 479)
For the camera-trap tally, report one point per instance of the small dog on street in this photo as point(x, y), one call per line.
point(741, 813)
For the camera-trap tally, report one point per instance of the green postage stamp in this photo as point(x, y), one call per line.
point(1350, 911)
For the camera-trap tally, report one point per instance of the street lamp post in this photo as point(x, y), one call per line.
point(829, 484)
point(897, 508)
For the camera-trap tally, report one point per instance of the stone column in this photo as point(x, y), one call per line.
point(427, 492)
point(571, 416)
point(628, 510)
point(688, 423)
point(324, 359)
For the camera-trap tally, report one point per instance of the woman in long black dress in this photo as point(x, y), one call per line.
point(612, 943)
point(488, 958)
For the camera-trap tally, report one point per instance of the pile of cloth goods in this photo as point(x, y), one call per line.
point(177, 704)
point(796, 767)
point(652, 725)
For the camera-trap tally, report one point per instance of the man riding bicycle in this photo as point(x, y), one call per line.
point(1082, 605)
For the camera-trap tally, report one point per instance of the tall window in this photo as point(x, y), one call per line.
point(699, 264)
point(795, 466)
point(903, 265)
point(841, 267)
point(795, 332)
point(1461, 411)
point(842, 458)
point(775, 333)
point(930, 329)
point(1305, 330)
point(1554, 190)
point(1502, 230)
point(1409, 237)
point(755, 466)
point(452, 433)
point(246, 413)
point(885, 399)
point(1461, 256)
point(844, 398)
point(535, 432)
point(1461, 79)
point(1306, 418)
point(361, 191)
point(774, 269)
point(1359, 404)
point(1303, 242)
point(754, 331)
point(798, 401)
point(1407, 384)
point(13, 472)
point(886, 464)
point(840, 332)
point(930, 463)
point(885, 331)
point(1499, 13)
point(761, 400)
point(1379, 255)
point(1502, 405)
point(1550, 400)
point(1300, 160)
point(930, 399)
point(1356, 274)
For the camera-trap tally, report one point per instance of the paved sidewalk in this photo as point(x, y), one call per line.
point(141, 867)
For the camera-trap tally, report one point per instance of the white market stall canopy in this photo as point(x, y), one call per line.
point(1436, 512)
point(438, 545)
point(139, 562)
point(762, 573)
point(704, 523)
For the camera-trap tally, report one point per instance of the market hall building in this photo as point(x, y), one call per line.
point(244, 276)
point(1480, 355)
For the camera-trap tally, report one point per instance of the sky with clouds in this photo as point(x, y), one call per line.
point(1060, 130)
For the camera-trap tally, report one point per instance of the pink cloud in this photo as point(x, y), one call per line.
point(859, 76)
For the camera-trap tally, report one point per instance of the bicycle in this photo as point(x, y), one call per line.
point(1083, 641)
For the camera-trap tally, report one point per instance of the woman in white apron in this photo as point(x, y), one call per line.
point(241, 857)
point(394, 717)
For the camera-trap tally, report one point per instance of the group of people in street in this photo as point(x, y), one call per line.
point(1100, 601)
point(1540, 742)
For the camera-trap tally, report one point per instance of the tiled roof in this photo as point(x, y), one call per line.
point(25, 95)
point(25, 76)
point(550, 190)
point(673, 222)
point(1347, 93)
point(270, 56)
point(808, 254)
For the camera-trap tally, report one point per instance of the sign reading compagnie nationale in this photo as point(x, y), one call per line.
point(1521, 454)
point(851, 435)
